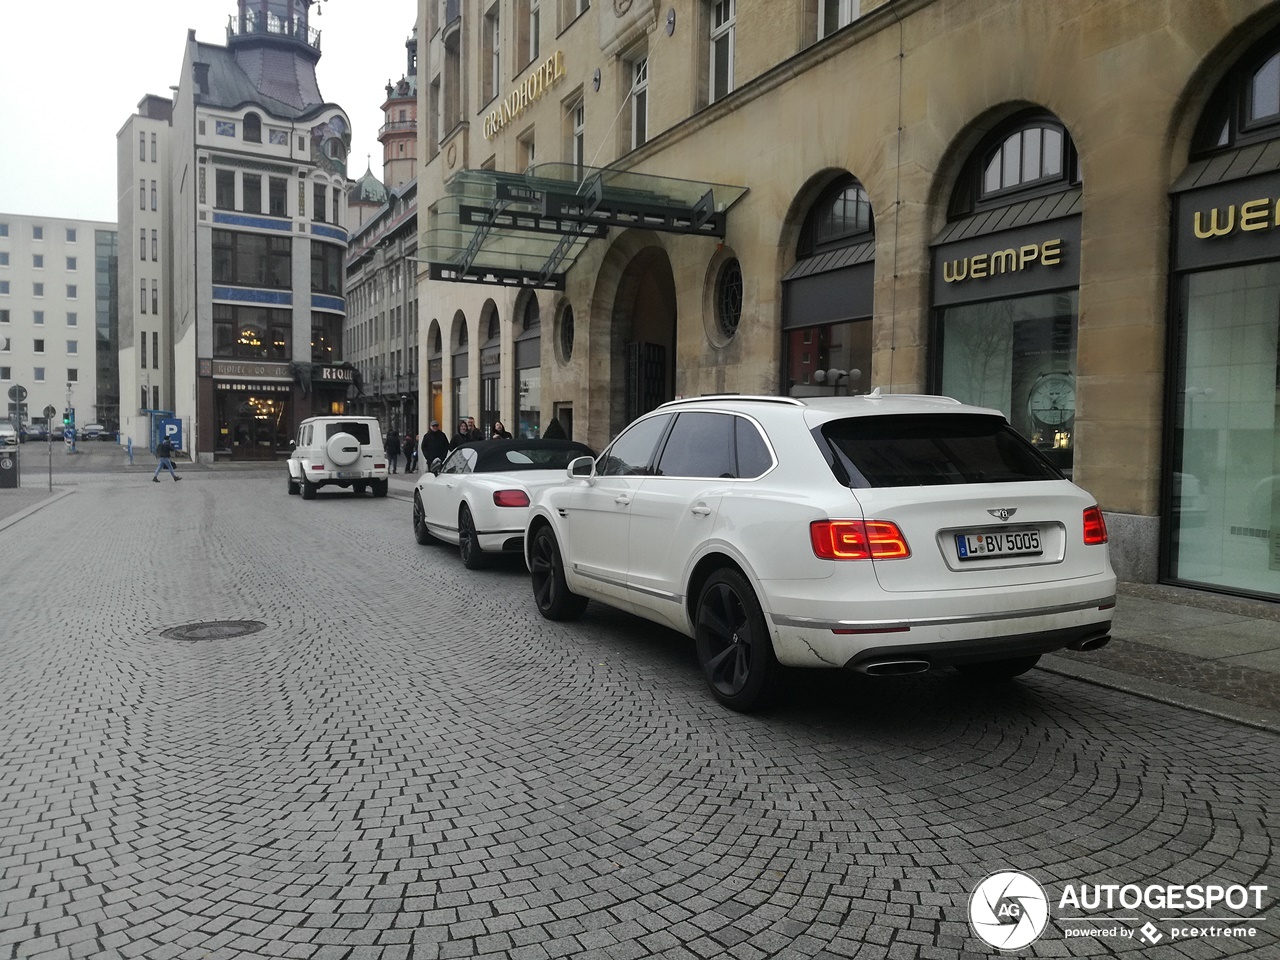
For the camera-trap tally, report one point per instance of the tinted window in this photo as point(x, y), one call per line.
point(927, 450)
point(632, 452)
point(357, 428)
point(700, 445)
point(753, 454)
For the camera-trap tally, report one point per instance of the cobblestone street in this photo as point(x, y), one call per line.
point(406, 761)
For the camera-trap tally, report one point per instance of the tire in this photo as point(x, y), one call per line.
point(420, 531)
point(473, 557)
point(995, 670)
point(360, 487)
point(308, 489)
point(554, 599)
point(733, 641)
point(380, 488)
point(293, 487)
point(343, 449)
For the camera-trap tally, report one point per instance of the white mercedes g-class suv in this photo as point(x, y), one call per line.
point(339, 452)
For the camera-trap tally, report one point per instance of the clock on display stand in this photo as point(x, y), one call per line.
point(1051, 404)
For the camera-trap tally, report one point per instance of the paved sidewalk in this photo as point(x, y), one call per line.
point(1208, 652)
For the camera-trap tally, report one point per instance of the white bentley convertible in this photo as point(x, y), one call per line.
point(479, 496)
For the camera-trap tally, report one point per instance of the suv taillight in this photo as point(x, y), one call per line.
point(510, 498)
point(857, 540)
point(1095, 528)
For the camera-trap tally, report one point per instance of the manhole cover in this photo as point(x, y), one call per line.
point(218, 630)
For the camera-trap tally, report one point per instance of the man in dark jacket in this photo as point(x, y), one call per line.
point(392, 448)
point(435, 445)
point(164, 451)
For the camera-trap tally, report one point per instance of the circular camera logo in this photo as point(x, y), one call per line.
point(1008, 910)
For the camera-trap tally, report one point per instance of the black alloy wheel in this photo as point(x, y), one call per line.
point(734, 646)
point(468, 542)
point(420, 531)
point(995, 670)
point(550, 591)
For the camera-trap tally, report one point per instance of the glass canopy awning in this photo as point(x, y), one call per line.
point(527, 229)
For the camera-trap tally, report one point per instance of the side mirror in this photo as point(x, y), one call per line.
point(436, 464)
point(582, 468)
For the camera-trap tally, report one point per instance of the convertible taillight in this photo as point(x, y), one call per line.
point(858, 540)
point(510, 498)
point(1095, 528)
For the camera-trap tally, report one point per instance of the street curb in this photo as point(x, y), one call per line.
point(1245, 714)
point(22, 514)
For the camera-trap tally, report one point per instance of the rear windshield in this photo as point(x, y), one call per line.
point(357, 428)
point(928, 450)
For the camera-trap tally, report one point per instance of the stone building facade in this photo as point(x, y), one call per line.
point(1009, 202)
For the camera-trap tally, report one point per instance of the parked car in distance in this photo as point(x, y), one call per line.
point(35, 431)
point(93, 431)
point(885, 534)
point(8, 435)
point(478, 497)
point(338, 451)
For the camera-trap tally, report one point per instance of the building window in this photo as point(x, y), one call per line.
point(4, 344)
point(6, 373)
point(729, 298)
point(1027, 157)
point(71, 263)
point(326, 268)
point(155, 244)
point(319, 198)
point(153, 196)
point(491, 40)
point(142, 194)
point(73, 375)
point(4, 286)
point(71, 234)
point(723, 20)
point(335, 197)
point(840, 217)
point(72, 291)
point(153, 148)
point(224, 189)
point(73, 347)
point(251, 333)
point(142, 243)
point(37, 233)
point(39, 374)
point(142, 340)
point(4, 229)
point(4, 316)
point(639, 101)
point(326, 338)
point(37, 261)
point(277, 196)
point(142, 297)
point(527, 151)
point(252, 128)
point(155, 350)
point(835, 14)
point(252, 259)
point(4, 258)
point(142, 145)
point(578, 138)
point(566, 335)
point(155, 298)
point(37, 289)
point(72, 319)
point(252, 190)
point(38, 346)
point(37, 318)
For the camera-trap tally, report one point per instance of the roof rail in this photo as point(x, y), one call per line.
point(752, 398)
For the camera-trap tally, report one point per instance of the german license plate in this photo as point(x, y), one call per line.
point(349, 474)
point(1002, 543)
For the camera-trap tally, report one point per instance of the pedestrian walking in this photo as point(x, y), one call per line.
point(499, 432)
point(393, 449)
point(435, 445)
point(410, 448)
point(164, 450)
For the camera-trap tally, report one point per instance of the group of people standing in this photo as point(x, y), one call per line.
point(435, 444)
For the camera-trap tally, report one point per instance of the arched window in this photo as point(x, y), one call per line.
point(494, 328)
point(532, 314)
point(1246, 106)
point(437, 347)
point(252, 128)
point(1029, 155)
point(841, 217)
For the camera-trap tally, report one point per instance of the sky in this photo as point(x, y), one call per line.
point(72, 73)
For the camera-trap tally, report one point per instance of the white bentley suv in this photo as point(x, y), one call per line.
point(886, 534)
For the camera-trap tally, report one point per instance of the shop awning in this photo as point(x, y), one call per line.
point(527, 229)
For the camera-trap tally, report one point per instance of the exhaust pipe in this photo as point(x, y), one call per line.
point(892, 668)
point(1096, 642)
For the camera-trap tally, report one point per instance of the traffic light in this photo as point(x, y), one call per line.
point(69, 417)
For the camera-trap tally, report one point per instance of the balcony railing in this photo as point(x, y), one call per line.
point(397, 125)
point(253, 24)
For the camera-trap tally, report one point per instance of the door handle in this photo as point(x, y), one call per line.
point(622, 499)
point(700, 510)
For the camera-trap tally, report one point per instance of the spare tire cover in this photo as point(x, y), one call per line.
point(343, 449)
